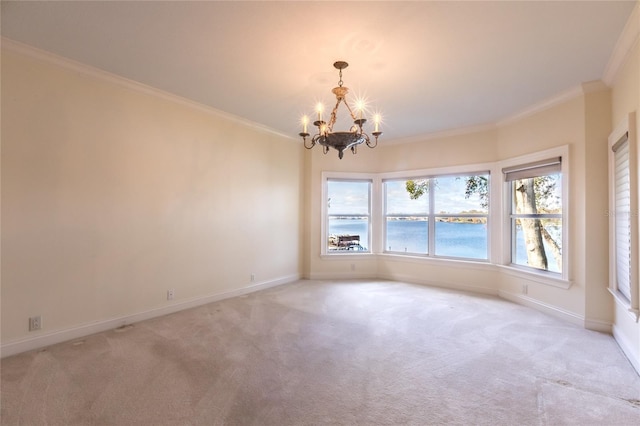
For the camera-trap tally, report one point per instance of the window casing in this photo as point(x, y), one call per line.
point(623, 216)
point(348, 218)
point(438, 216)
point(535, 197)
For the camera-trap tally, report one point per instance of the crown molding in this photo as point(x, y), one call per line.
point(460, 131)
point(561, 98)
point(75, 66)
point(629, 37)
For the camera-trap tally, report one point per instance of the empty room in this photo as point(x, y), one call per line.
point(318, 212)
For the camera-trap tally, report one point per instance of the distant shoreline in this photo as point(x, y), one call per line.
point(475, 220)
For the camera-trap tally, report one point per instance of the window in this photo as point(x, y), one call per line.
point(443, 216)
point(623, 215)
point(536, 200)
point(406, 218)
point(348, 216)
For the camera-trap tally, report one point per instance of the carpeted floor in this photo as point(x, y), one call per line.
point(345, 353)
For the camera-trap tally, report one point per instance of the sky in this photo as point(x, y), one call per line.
point(351, 197)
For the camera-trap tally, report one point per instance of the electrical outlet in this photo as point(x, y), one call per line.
point(171, 294)
point(35, 323)
point(253, 277)
point(525, 288)
point(353, 266)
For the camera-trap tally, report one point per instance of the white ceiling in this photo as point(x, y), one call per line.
point(427, 66)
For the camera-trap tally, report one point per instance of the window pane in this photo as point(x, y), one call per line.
point(461, 194)
point(538, 243)
point(542, 194)
point(348, 198)
point(461, 237)
point(407, 235)
point(398, 201)
point(350, 234)
point(348, 215)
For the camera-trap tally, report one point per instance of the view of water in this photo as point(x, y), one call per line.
point(465, 240)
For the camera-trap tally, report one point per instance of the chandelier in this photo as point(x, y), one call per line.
point(340, 141)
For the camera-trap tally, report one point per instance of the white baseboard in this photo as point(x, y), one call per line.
point(24, 345)
point(627, 349)
point(439, 284)
point(543, 307)
point(325, 276)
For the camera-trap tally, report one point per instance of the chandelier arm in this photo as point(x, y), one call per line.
point(374, 144)
point(312, 141)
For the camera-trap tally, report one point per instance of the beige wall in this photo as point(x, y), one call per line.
point(111, 196)
point(455, 150)
point(598, 301)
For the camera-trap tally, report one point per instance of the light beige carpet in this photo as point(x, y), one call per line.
point(344, 353)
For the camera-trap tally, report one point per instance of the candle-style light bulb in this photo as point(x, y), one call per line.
point(360, 108)
point(305, 121)
point(376, 121)
point(319, 109)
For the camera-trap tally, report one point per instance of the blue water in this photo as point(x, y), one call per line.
point(410, 236)
point(462, 240)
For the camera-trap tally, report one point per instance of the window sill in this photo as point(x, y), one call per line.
point(538, 277)
point(347, 255)
point(624, 303)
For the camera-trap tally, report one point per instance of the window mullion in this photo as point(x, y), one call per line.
point(431, 220)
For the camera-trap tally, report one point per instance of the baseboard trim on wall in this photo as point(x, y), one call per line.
point(341, 276)
point(41, 341)
point(543, 307)
point(439, 284)
point(627, 349)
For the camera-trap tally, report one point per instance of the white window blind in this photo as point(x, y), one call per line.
point(622, 216)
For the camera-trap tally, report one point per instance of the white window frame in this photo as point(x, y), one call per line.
point(432, 216)
point(626, 129)
point(556, 279)
point(426, 215)
point(463, 170)
point(352, 177)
